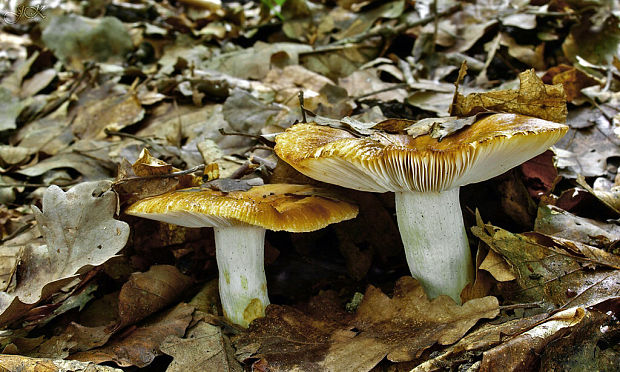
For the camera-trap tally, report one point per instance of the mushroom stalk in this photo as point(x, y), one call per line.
point(239, 251)
point(435, 241)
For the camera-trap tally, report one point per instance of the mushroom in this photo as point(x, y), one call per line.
point(239, 219)
point(425, 175)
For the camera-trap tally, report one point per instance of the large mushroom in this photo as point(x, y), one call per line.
point(239, 219)
point(425, 175)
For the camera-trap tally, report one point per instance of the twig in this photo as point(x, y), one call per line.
point(301, 106)
point(530, 305)
point(167, 175)
point(3, 185)
point(253, 136)
point(393, 87)
point(381, 31)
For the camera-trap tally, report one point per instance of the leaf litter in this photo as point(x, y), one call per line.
point(148, 111)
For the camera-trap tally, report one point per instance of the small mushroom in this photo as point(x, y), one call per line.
point(425, 175)
point(239, 219)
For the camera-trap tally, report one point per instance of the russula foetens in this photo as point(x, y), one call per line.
point(239, 219)
point(425, 175)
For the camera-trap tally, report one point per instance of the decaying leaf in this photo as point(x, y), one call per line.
point(533, 98)
point(521, 352)
point(610, 198)
point(554, 221)
point(496, 266)
point(586, 149)
point(106, 107)
point(203, 348)
point(147, 293)
point(561, 272)
point(75, 39)
point(400, 328)
point(142, 345)
point(26, 364)
point(79, 231)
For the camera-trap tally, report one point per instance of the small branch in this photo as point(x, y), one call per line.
point(394, 87)
point(253, 136)
point(167, 175)
point(301, 106)
point(382, 31)
point(531, 305)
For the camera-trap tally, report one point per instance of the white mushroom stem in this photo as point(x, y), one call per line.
point(436, 247)
point(239, 251)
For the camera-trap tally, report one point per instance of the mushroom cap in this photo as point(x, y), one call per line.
point(294, 208)
point(397, 162)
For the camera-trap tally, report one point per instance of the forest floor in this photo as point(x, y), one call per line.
point(104, 103)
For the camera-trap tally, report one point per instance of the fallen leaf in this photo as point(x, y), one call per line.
point(595, 37)
point(26, 364)
point(583, 347)
point(400, 328)
point(204, 348)
point(572, 79)
point(253, 63)
point(485, 337)
point(75, 39)
point(79, 232)
point(147, 293)
point(106, 107)
point(409, 312)
point(497, 266)
point(610, 198)
point(521, 352)
point(554, 221)
point(586, 150)
point(533, 98)
point(560, 272)
point(141, 346)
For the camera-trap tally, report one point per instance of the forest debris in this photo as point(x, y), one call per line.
point(75, 39)
point(106, 108)
point(26, 364)
point(610, 198)
point(560, 272)
point(533, 98)
point(78, 230)
point(587, 149)
point(140, 346)
point(521, 352)
point(397, 327)
point(552, 220)
point(146, 293)
point(497, 266)
point(204, 348)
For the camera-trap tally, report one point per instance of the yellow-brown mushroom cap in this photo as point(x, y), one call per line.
point(397, 162)
point(294, 208)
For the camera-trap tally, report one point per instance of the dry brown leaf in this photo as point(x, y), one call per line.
point(79, 231)
point(141, 346)
point(533, 98)
point(497, 266)
point(147, 293)
point(521, 352)
point(483, 338)
point(610, 198)
point(554, 270)
point(400, 328)
point(204, 348)
point(572, 79)
point(131, 188)
point(103, 109)
point(552, 220)
point(25, 364)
